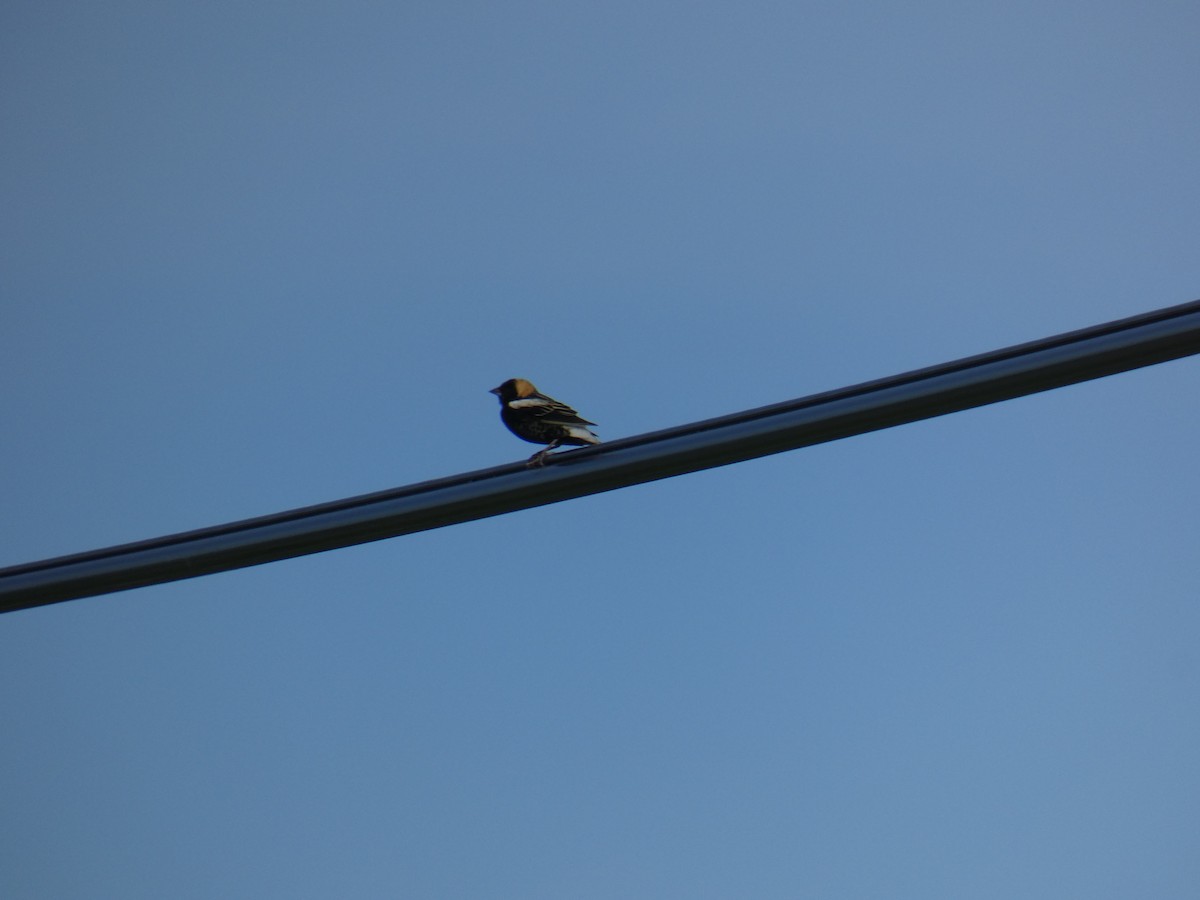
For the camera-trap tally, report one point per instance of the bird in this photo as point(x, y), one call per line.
point(534, 417)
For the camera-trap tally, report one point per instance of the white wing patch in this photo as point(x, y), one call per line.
point(527, 403)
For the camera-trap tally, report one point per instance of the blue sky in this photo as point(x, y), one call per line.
point(258, 256)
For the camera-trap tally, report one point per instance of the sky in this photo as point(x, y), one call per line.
point(259, 256)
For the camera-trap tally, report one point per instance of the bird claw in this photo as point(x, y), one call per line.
point(539, 459)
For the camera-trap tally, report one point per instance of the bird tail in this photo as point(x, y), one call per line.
point(582, 434)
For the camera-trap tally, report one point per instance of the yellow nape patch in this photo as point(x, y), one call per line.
point(524, 388)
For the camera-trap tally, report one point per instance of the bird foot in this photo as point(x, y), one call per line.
point(539, 459)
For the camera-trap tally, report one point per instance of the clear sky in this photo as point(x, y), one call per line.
point(255, 256)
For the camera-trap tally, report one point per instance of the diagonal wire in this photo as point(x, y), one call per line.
point(1041, 365)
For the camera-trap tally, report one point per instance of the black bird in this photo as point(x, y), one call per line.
point(539, 419)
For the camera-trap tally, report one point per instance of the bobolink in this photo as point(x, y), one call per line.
point(539, 419)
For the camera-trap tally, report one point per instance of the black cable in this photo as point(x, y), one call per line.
point(1041, 365)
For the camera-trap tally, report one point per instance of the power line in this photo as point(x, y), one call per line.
point(1049, 363)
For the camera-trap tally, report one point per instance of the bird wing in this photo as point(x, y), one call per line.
point(549, 410)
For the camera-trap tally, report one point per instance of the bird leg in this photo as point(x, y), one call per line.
point(539, 459)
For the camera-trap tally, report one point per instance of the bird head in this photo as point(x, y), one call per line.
point(514, 388)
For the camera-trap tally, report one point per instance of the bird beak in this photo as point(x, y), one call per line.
point(495, 391)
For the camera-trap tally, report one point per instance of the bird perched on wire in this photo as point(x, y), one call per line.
point(534, 417)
